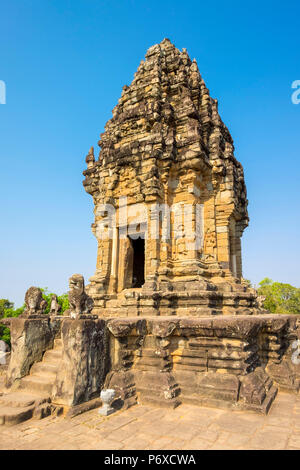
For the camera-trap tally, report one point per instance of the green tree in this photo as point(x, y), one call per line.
point(280, 297)
point(5, 304)
point(8, 312)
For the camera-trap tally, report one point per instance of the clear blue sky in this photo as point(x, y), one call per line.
point(64, 63)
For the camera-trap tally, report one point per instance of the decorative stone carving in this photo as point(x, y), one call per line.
point(80, 302)
point(34, 302)
point(90, 158)
point(4, 356)
point(260, 301)
point(230, 362)
point(84, 362)
point(55, 307)
point(210, 243)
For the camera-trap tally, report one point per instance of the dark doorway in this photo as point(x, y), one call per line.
point(138, 271)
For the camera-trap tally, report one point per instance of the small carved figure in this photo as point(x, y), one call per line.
point(90, 158)
point(260, 301)
point(180, 242)
point(4, 353)
point(210, 243)
point(80, 302)
point(35, 304)
point(55, 307)
point(210, 240)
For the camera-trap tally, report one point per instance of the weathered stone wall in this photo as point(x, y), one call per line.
point(84, 363)
point(190, 300)
point(226, 362)
point(235, 361)
point(280, 350)
point(30, 338)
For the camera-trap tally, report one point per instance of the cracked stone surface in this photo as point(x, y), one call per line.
point(145, 427)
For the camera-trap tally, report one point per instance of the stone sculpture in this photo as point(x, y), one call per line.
point(34, 302)
point(260, 301)
point(80, 302)
point(90, 158)
point(55, 307)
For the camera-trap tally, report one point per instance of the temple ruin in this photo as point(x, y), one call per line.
point(166, 154)
point(167, 317)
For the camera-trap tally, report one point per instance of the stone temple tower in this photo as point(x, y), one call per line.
point(170, 199)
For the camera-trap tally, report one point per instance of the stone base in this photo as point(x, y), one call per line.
point(254, 391)
point(235, 362)
point(190, 302)
point(83, 407)
point(225, 362)
point(286, 375)
point(106, 411)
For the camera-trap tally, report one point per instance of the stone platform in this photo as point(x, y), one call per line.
point(191, 301)
point(228, 362)
point(144, 427)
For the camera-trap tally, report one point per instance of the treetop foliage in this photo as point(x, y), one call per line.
point(280, 297)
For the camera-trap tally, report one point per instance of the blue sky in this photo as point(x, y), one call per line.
point(64, 63)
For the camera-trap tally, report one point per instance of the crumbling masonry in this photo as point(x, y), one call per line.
point(166, 144)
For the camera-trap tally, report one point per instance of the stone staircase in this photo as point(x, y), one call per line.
point(32, 399)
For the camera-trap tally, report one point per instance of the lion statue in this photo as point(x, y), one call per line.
point(260, 301)
point(34, 302)
point(80, 302)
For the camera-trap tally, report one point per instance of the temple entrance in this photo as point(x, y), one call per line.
point(138, 268)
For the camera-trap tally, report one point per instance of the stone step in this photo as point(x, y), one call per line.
point(270, 397)
point(38, 383)
point(22, 400)
point(34, 396)
point(58, 343)
point(44, 367)
point(10, 415)
point(53, 355)
point(50, 376)
point(159, 402)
